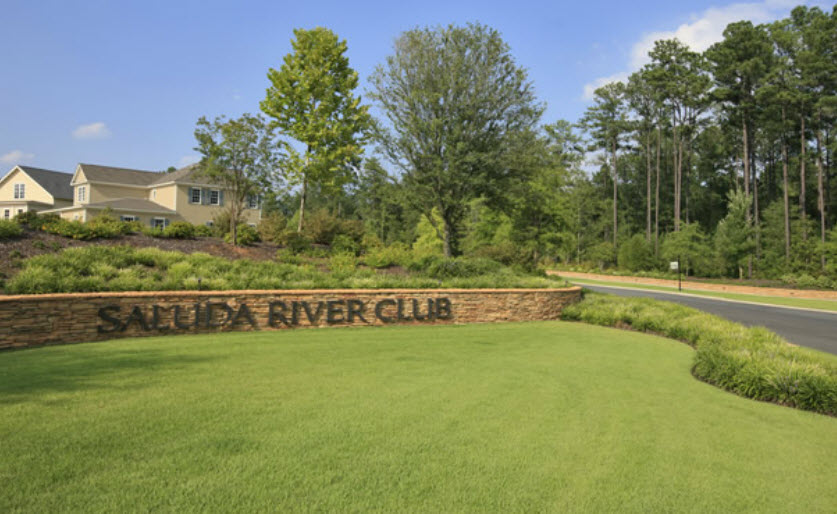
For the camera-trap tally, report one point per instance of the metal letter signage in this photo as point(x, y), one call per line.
point(215, 314)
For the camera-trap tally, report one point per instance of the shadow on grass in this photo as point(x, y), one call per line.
point(25, 376)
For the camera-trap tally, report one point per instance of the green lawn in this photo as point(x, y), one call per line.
point(530, 417)
point(806, 303)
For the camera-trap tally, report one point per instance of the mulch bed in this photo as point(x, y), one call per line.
point(32, 243)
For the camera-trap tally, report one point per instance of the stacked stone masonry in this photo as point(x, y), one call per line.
point(35, 320)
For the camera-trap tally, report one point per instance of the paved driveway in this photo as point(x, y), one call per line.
point(814, 329)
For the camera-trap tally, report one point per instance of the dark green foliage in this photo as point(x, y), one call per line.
point(10, 229)
point(636, 254)
point(203, 231)
point(247, 235)
point(31, 219)
point(179, 230)
point(752, 362)
point(322, 227)
point(101, 229)
point(272, 226)
point(295, 242)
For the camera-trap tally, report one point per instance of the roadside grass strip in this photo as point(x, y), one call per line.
point(802, 303)
point(751, 362)
point(516, 417)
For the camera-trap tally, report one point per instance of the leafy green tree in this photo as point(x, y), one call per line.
point(239, 154)
point(456, 102)
point(312, 101)
point(689, 245)
point(636, 254)
point(734, 237)
point(607, 123)
point(680, 76)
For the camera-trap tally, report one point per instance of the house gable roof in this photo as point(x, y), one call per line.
point(56, 183)
point(142, 178)
point(110, 174)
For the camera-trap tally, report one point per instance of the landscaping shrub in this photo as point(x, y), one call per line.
point(751, 362)
point(342, 265)
point(245, 235)
point(396, 254)
point(10, 229)
point(124, 268)
point(29, 218)
point(344, 244)
point(272, 227)
point(203, 231)
point(295, 242)
point(322, 227)
point(179, 230)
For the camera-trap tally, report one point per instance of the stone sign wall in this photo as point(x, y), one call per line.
point(34, 320)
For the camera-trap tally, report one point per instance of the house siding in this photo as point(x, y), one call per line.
point(33, 192)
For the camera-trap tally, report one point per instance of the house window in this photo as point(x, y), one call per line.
point(210, 223)
point(75, 217)
point(20, 211)
point(215, 197)
point(153, 194)
point(159, 222)
point(20, 191)
point(82, 193)
point(6, 213)
point(194, 195)
point(253, 201)
point(129, 218)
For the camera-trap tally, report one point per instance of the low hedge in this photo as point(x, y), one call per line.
point(10, 229)
point(751, 362)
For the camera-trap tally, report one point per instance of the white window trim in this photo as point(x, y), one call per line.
point(6, 213)
point(192, 197)
point(20, 191)
point(217, 193)
point(82, 193)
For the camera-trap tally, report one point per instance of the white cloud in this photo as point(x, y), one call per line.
point(96, 130)
point(591, 87)
point(16, 157)
point(703, 30)
point(187, 160)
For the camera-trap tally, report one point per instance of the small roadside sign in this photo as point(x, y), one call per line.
point(674, 265)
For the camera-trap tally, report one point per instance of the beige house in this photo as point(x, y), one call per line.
point(25, 188)
point(153, 198)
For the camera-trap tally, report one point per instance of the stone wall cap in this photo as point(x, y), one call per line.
point(267, 292)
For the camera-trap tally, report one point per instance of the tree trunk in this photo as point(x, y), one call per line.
point(648, 186)
point(745, 157)
point(677, 154)
point(802, 177)
point(657, 198)
point(615, 197)
point(820, 192)
point(304, 192)
point(785, 187)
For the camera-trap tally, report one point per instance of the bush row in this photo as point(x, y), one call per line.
point(751, 362)
point(123, 268)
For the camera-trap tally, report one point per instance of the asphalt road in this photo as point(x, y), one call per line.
point(814, 329)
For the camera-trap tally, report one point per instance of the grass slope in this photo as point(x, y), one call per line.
point(805, 303)
point(515, 417)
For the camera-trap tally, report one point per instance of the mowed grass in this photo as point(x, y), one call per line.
point(804, 303)
point(545, 416)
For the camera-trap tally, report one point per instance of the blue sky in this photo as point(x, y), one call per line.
point(123, 83)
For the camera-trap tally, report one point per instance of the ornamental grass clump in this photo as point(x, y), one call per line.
point(751, 362)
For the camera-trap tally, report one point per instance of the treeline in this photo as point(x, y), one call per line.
point(721, 158)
